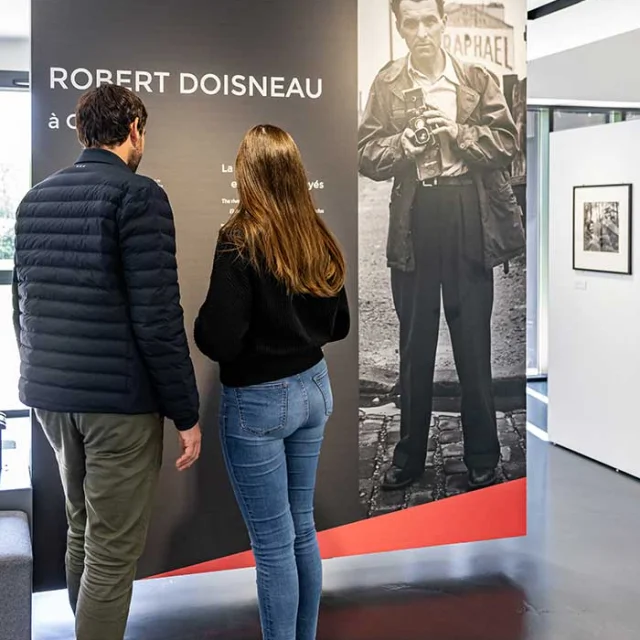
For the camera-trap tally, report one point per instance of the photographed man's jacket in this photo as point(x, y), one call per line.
point(96, 301)
point(487, 142)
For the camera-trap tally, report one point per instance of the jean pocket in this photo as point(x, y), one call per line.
point(263, 408)
point(323, 383)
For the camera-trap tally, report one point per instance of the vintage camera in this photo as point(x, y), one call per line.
point(415, 108)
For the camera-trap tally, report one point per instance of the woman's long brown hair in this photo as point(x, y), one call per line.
point(276, 226)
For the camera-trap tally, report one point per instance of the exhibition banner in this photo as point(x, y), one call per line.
point(208, 71)
point(442, 347)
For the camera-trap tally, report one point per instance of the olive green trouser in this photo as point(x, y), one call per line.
point(109, 466)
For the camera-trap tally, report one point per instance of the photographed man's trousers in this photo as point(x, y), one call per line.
point(447, 239)
point(109, 467)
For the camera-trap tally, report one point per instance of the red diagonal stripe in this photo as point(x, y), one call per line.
point(497, 512)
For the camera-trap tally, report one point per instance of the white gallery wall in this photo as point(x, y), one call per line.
point(579, 55)
point(594, 318)
point(14, 54)
point(587, 74)
point(579, 25)
point(14, 35)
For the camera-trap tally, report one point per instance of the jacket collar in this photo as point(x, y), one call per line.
point(396, 74)
point(101, 156)
point(449, 73)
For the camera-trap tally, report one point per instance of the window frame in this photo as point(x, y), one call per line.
point(546, 111)
point(12, 81)
point(543, 117)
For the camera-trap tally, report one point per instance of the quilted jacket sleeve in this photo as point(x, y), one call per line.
point(148, 253)
point(15, 296)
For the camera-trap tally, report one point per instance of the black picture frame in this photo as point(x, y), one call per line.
point(627, 255)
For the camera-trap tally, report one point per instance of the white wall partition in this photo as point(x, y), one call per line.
point(594, 318)
point(581, 24)
point(14, 35)
point(595, 74)
point(14, 54)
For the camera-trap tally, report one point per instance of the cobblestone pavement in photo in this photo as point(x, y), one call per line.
point(446, 474)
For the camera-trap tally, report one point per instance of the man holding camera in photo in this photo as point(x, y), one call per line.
point(442, 130)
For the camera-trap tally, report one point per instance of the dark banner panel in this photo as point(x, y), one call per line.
point(207, 71)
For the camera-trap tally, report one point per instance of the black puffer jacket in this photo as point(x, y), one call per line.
point(96, 299)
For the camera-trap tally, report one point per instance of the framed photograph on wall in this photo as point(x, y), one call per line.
point(602, 223)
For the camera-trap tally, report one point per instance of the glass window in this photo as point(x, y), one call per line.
point(533, 237)
point(15, 164)
point(10, 366)
point(17, 439)
point(565, 119)
point(632, 115)
point(615, 116)
point(537, 238)
point(15, 179)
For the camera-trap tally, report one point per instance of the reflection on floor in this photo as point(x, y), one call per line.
point(573, 578)
point(537, 403)
point(540, 385)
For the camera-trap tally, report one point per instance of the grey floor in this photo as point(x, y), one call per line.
point(575, 577)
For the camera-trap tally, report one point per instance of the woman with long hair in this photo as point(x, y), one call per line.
point(275, 299)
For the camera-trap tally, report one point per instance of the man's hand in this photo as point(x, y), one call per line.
point(410, 145)
point(190, 444)
point(440, 123)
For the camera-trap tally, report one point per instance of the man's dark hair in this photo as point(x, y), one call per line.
point(395, 7)
point(104, 116)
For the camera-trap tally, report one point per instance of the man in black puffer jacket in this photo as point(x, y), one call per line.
point(103, 348)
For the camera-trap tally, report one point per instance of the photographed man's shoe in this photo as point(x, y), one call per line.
point(397, 478)
point(482, 478)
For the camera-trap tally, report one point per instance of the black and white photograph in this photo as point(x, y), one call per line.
point(602, 228)
point(442, 267)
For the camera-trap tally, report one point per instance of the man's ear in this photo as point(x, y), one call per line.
point(134, 130)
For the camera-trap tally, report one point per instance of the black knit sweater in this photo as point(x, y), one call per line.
point(256, 330)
